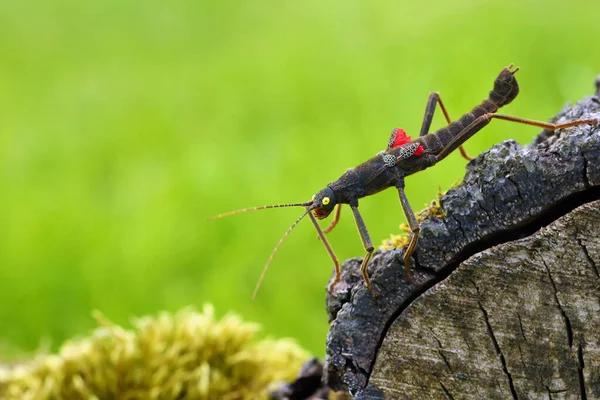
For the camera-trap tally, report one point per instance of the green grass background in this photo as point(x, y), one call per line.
point(125, 124)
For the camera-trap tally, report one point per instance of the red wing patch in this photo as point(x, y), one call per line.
point(402, 138)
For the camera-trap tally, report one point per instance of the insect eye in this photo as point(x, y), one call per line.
point(325, 201)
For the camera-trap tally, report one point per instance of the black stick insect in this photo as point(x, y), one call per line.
point(401, 158)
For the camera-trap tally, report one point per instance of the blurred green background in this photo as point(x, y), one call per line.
point(125, 124)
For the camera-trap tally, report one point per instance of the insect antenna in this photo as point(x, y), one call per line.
point(243, 210)
point(264, 271)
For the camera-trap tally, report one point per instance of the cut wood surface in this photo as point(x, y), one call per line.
point(506, 298)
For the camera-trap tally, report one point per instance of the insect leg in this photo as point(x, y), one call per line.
point(338, 272)
point(433, 100)
point(336, 218)
point(414, 231)
point(364, 235)
point(547, 125)
point(485, 119)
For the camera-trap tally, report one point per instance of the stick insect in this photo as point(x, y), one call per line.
point(402, 157)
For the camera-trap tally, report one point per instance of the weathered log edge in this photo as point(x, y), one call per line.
point(518, 320)
point(508, 192)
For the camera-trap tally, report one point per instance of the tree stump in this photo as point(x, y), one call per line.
point(506, 295)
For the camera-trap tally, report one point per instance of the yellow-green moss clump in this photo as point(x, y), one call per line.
point(433, 209)
point(183, 356)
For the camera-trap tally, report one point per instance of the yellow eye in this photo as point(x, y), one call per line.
point(325, 201)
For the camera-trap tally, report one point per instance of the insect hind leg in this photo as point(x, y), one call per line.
point(434, 100)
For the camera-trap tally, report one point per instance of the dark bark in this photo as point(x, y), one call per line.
point(507, 288)
point(308, 385)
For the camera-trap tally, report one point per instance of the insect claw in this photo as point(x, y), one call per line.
point(374, 292)
point(332, 285)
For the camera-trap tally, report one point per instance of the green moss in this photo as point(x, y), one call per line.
point(186, 355)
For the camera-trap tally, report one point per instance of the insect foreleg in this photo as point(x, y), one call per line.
point(336, 218)
point(338, 271)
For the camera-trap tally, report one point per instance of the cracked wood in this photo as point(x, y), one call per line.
point(532, 323)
